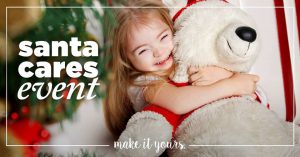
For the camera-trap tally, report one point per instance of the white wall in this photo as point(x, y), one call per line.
point(268, 65)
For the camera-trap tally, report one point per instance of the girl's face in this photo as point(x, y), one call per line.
point(150, 46)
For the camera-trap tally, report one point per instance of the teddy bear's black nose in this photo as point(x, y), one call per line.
point(246, 33)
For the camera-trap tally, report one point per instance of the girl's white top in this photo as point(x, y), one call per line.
point(136, 93)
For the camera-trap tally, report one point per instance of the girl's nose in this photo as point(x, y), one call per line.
point(158, 52)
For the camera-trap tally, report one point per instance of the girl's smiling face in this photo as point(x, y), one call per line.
point(150, 46)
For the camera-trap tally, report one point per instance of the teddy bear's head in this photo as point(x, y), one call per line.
point(213, 32)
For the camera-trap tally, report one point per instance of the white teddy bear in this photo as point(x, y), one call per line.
point(213, 32)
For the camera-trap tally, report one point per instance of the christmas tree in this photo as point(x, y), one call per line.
point(46, 20)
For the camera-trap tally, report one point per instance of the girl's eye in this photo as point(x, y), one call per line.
point(164, 37)
point(141, 52)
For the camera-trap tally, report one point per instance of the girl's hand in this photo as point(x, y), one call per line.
point(245, 84)
point(207, 75)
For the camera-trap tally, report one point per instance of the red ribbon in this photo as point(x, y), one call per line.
point(285, 61)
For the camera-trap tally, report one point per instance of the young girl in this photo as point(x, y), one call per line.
point(142, 64)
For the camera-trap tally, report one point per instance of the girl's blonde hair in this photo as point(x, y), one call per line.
point(118, 108)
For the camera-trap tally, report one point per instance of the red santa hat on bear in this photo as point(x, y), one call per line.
point(189, 3)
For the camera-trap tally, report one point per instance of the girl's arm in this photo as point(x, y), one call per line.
point(181, 100)
point(207, 75)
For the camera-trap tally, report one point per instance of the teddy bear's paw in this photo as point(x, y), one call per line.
point(144, 132)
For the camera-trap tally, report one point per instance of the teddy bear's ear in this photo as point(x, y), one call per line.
point(175, 3)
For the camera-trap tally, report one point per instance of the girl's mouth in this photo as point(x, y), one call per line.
point(165, 60)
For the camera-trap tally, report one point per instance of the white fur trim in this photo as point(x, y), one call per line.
point(174, 5)
point(181, 75)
